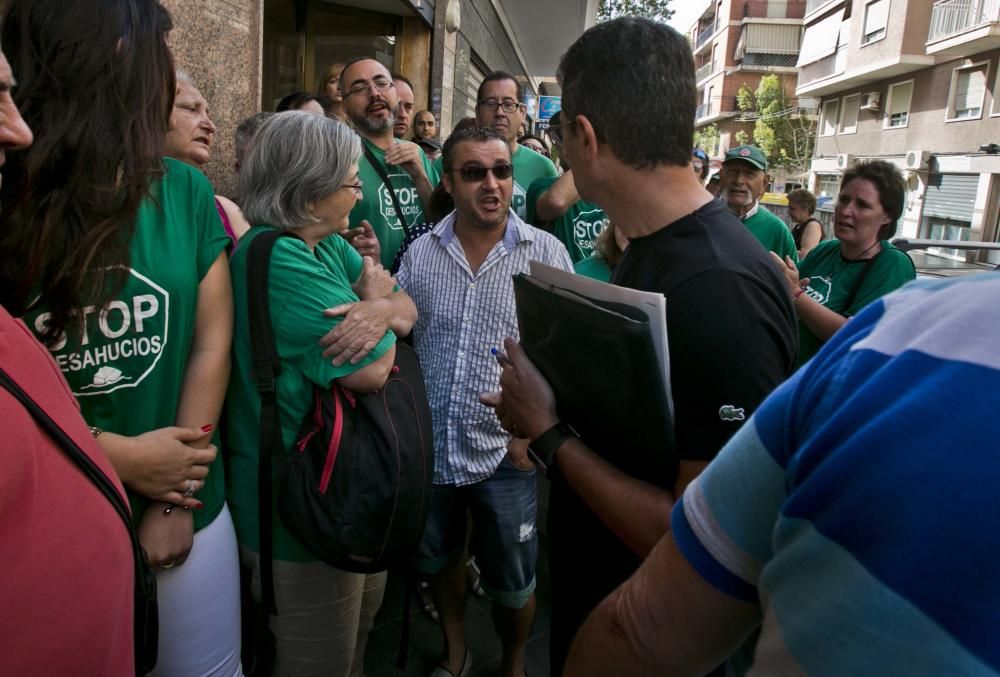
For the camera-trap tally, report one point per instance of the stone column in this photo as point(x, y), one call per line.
point(219, 43)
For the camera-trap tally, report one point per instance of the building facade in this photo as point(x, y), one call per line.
point(735, 44)
point(913, 83)
point(245, 55)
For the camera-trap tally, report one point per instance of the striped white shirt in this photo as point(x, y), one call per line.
point(461, 315)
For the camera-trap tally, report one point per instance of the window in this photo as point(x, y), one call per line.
point(829, 125)
point(828, 186)
point(968, 89)
point(876, 19)
point(897, 108)
point(849, 108)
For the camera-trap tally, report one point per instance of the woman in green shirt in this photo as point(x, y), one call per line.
point(840, 277)
point(301, 176)
point(114, 256)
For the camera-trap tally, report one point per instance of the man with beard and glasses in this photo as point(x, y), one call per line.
point(459, 275)
point(371, 103)
point(743, 177)
point(499, 106)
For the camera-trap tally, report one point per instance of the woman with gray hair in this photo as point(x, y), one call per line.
point(301, 176)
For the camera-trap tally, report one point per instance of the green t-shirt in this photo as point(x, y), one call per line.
point(528, 166)
point(376, 204)
point(831, 278)
point(302, 285)
point(772, 232)
point(593, 267)
point(578, 228)
point(127, 368)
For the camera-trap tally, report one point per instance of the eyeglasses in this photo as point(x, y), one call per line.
point(380, 85)
point(556, 131)
point(475, 174)
point(507, 105)
point(356, 187)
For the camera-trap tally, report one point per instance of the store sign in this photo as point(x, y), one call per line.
point(548, 106)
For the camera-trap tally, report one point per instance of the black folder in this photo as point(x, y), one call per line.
point(601, 362)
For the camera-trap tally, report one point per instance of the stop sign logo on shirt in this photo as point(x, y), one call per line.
point(406, 194)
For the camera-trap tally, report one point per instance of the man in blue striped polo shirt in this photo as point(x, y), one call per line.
point(853, 517)
point(460, 276)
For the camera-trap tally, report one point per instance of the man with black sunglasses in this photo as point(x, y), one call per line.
point(500, 106)
point(459, 275)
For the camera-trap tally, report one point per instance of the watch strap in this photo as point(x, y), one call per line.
point(542, 450)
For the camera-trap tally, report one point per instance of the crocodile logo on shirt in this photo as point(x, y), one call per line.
point(409, 201)
point(728, 412)
point(117, 346)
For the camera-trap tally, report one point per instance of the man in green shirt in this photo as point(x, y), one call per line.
point(499, 106)
point(743, 177)
point(371, 103)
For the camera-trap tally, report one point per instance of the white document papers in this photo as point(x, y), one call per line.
point(653, 305)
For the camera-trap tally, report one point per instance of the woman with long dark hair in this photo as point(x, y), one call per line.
point(114, 256)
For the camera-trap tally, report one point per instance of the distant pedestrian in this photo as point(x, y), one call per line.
point(807, 231)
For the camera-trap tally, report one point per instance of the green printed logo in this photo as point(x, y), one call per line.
point(518, 200)
point(819, 289)
point(409, 201)
point(588, 226)
point(118, 346)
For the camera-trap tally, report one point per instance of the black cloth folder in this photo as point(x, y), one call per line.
point(600, 360)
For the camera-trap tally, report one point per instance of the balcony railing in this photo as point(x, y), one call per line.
point(705, 33)
point(951, 17)
point(724, 104)
point(703, 111)
point(774, 9)
point(834, 64)
point(813, 5)
point(703, 72)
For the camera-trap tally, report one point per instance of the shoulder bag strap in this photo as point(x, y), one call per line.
point(377, 166)
point(266, 366)
point(858, 281)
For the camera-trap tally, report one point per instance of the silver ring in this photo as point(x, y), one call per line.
point(190, 490)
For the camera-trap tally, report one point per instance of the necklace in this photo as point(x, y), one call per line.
point(861, 257)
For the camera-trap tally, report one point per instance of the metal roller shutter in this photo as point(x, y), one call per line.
point(951, 196)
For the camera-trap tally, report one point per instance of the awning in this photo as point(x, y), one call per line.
point(820, 40)
point(768, 39)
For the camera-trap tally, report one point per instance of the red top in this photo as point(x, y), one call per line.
point(65, 556)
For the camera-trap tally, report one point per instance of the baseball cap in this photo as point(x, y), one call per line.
point(751, 154)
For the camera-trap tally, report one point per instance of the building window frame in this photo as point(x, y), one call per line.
point(887, 121)
point(877, 35)
point(950, 112)
point(845, 105)
point(829, 118)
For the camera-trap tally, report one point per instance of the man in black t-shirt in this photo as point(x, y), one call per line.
point(627, 129)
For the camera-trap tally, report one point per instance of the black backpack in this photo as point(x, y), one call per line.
point(355, 487)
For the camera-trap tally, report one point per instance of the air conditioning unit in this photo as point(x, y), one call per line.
point(844, 160)
point(870, 100)
point(916, 159)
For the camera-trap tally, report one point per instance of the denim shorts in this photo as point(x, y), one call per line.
point(504, 536)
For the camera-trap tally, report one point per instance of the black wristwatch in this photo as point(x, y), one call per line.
point(542, 450)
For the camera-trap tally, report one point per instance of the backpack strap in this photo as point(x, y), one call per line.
point(377, 166)
point(266, 367)
point(145, 651)
point(859, 280)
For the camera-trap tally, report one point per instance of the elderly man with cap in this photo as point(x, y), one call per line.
point(743, 177)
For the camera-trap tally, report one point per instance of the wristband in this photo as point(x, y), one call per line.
point(542, 450)
point(800, 292)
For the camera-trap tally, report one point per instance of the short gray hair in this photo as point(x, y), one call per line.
point(297, 159)
point(246, 132)
point(185, 77)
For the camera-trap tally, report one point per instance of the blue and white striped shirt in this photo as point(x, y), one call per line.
point(461, 316)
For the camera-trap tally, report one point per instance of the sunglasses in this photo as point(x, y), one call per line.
point(475, 174)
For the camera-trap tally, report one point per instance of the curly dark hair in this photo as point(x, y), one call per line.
point(96, 84)
point(476, 134)
point(891, 187)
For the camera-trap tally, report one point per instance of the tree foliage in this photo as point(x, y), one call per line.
point(781, 129)
point(658, 10)
point(707, 138)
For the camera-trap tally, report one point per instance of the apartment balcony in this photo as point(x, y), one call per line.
point(716, 109)
point(815, 5)
point(703, 72)
point(705, 34)
point(774, 9)
point(964, 27)
point(827, 67)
